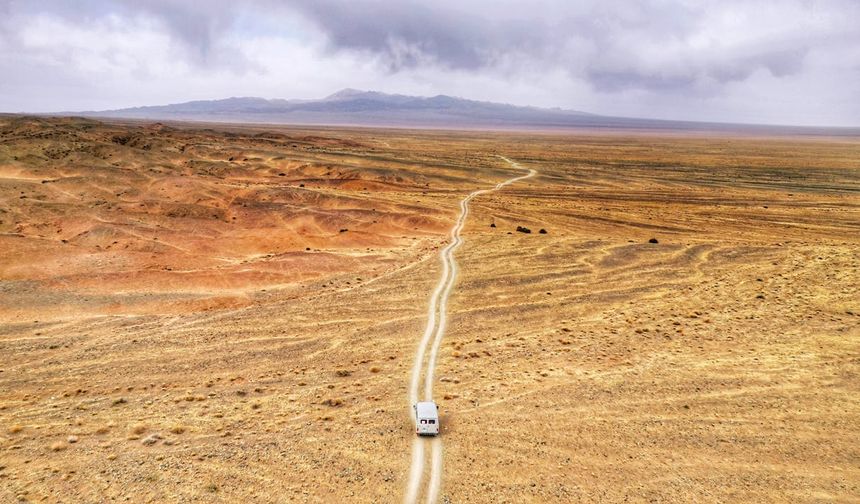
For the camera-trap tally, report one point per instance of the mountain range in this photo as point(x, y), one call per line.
point(351, 107)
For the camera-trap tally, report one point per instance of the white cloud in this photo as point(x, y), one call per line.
point(790, 61)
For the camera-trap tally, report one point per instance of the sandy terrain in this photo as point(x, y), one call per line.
point(200, 315)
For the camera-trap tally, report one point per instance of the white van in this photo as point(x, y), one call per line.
point(426, 418)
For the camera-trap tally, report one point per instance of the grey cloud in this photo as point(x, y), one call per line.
point(666, 49)
point(409, 34)
point(195, 25)
point(597, 41)
point(477, 36)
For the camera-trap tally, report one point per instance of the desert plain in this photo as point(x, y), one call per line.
point(226, 313)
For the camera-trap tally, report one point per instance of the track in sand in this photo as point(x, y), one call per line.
point(434, 332)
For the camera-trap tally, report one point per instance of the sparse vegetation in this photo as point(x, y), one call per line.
point(186, 351)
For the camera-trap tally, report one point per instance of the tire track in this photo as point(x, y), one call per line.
point(437, 321)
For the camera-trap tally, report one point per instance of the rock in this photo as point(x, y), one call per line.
point(522, 229)
point(653, 240)
point(542, 231)
point(492, 224)
point(150, 439)
point(72, 439)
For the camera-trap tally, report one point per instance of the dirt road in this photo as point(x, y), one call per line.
point(434, 332)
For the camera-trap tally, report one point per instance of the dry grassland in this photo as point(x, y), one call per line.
point(229, 314)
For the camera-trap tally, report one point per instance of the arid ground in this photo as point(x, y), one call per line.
point(193, 313)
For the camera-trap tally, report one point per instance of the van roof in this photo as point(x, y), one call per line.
point(426, 409)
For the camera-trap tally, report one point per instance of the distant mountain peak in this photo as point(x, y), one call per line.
point(345, 93)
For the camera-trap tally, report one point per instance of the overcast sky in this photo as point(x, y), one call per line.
point(778, 62)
